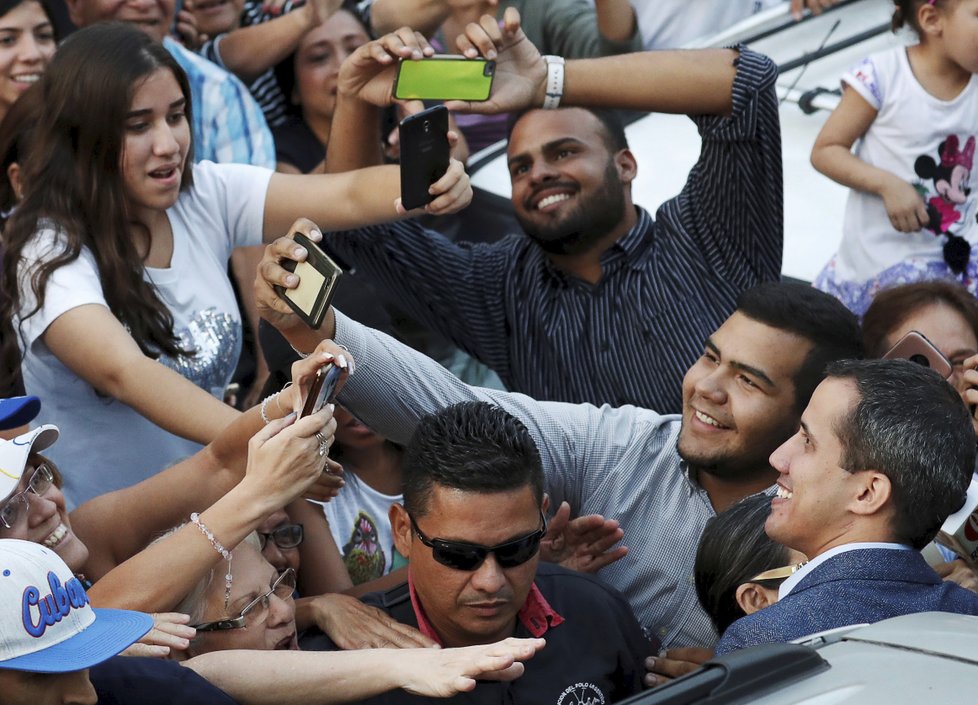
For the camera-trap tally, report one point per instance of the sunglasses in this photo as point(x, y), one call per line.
point(41, 480)
point(462, 555)
point(256, 611)
point(782, 573)
point(284, 536)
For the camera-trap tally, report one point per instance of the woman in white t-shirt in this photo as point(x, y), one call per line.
point(115, 277)
point(911, 214)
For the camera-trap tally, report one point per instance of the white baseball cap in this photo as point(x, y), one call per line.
point(46, 622)
point(14, 454)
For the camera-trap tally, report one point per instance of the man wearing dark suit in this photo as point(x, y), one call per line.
point(884, 455)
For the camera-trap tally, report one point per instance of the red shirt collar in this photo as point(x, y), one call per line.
point(536, 614)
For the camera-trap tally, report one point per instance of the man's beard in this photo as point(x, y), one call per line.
point(589, 220)
point(724, 466)
point(734, 464)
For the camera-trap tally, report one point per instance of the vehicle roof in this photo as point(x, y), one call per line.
point(929, 658)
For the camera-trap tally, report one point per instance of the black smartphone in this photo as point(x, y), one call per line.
point(915, 347)
point(444, 77)
point(318, 277)
point(323, 389)
point(425, 154)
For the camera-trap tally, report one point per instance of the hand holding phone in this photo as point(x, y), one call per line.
point(425, 154)
point(444, 77)
point(323, 389)
point(318, 277)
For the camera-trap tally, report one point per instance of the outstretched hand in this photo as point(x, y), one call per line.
point(170, 632)
point(674, 663)
point(521, 74)
point(957, 571)
point(351, 624)
point(442, 673)
point(966, 382)
point(584, 544)
point(904, 206)
point(814, 6)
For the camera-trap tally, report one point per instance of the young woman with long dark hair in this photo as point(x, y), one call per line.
point(115, 281)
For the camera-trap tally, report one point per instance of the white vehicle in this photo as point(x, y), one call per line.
point(931, 657)
point(813, 54)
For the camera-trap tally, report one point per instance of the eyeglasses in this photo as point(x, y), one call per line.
point(256, 611)
point(782, 573)
point(284, 536)
point(41, 480)
point(462, 555)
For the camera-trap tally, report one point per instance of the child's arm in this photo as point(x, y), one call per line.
point(832, 156)
point(248, 52)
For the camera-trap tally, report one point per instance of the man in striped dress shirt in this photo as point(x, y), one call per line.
point(596, 301)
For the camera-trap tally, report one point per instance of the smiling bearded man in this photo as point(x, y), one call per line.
point(598, 301)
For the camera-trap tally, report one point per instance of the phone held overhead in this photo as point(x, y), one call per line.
point(318, 276)
point(425, 154)
point(444, 77)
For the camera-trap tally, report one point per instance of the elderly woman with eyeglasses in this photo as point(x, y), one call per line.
point(319, 601)
point(227, 490)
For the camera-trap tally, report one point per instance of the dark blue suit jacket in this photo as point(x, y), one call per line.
point(864, 585)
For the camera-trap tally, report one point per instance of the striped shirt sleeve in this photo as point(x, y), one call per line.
point(732, 203)
point(456, 289)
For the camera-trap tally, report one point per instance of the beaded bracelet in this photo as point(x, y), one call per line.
point(264, 403)
point(226, 554)
point(264, 408)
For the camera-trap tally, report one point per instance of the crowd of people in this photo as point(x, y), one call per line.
point(680, 455)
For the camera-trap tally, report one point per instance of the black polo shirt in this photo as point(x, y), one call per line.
point(126, 680)
point(595, 655)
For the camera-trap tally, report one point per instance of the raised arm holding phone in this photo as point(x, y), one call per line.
point(116, 298)
point(519, 305)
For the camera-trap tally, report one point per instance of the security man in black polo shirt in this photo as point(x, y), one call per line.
point(471, 527)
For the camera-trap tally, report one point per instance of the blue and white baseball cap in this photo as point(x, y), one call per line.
point(18, 411)
point(46, 622)
point(14, 455)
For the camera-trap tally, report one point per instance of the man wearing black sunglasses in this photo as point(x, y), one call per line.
point(471, 525)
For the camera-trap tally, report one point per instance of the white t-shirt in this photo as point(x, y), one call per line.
point(358, 520)
point(927, 142)
point(105, 444)
point(670, 24)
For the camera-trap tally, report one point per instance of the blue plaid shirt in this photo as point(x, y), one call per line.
point(228, 125)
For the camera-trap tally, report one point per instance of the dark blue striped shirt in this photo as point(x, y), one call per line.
point(666, 285)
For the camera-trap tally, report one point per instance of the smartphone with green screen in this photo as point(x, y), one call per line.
point(444, 77)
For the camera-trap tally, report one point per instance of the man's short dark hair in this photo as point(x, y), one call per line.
point(912, 426)
point(613, 127)
point(474, 447)
point(814, 315)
